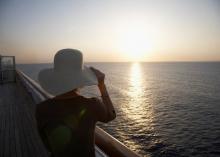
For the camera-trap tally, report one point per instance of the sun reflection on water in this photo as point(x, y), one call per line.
point(138, 107)
point(135, 92)
point(135, 81)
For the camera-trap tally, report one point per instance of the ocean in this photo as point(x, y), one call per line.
point(163, 109)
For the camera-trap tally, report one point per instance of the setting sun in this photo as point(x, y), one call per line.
point(134, 43)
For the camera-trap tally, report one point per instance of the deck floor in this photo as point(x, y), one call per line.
point(18, 132)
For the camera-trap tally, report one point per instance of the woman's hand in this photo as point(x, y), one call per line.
point(100, 76)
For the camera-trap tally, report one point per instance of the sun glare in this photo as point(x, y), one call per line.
point(134, 44)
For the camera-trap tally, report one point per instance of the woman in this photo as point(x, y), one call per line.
point(67, 122)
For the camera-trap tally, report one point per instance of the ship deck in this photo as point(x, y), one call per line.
point(18, 130)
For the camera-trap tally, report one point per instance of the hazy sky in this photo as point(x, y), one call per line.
point(111, 30)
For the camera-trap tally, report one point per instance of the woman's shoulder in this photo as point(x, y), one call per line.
point(90, 100)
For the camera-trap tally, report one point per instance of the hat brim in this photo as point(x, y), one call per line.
point(57, 83)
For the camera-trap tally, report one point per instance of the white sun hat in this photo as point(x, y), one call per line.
point(67, 74)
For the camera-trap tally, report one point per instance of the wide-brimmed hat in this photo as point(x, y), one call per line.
point(67, 74)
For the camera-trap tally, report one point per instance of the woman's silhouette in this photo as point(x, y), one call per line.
point(67, 122)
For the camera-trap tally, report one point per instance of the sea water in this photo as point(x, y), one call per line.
point(163, 109)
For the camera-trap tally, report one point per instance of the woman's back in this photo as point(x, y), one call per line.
point(67, 125)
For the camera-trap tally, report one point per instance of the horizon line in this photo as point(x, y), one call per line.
point(135, 62)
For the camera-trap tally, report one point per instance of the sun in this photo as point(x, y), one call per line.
point(135, 45)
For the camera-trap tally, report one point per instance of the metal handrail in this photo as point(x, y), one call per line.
point(34, 84)
point(103, 140)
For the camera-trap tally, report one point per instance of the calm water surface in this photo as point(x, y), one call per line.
point(163, 109)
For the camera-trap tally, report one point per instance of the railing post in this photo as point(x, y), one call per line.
point(14, 68)
point(7, 69)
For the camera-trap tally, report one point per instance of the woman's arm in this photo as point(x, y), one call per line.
point(105, 96)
